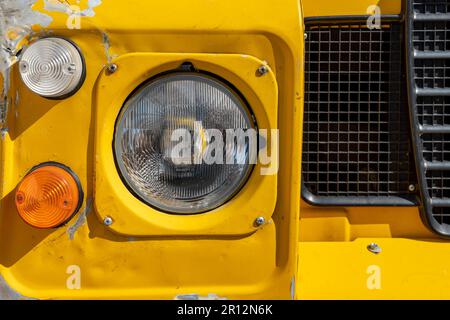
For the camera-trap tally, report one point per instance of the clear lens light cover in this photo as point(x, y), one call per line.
point(52, 68)
point(144, 143)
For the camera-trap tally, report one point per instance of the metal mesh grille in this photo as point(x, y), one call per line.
point(356, 126)
point(431, 6)
point(429, 41)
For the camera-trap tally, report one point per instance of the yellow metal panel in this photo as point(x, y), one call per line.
point(314, 8)
point(131, 216)
point(348, 224)
point(235, 263)
point(261, 264)
point(405, 269)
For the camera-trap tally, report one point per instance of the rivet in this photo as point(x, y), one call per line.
point(262, 70)
point(260, 221)
point(108, 221)
point(374, 248)
point(112, 67)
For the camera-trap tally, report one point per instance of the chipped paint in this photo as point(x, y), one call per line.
point(8, 293)
point(71, 9)
point(4, 105)
point(81, 220)
point(107, 45)
point(293, 288)
point(4, 132)
point(16, 20)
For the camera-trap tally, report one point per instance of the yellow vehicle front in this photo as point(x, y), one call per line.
point(347, 195)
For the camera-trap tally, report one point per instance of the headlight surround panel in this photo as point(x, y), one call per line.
point(132, 216)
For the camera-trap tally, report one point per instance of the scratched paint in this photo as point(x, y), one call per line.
point(16, 20)
point(81, 220)
point(107, 45)
point(70, 9)
point(8, 293)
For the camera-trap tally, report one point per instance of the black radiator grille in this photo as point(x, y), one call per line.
point(428, 33)
point(431, 6)
point(356, 144)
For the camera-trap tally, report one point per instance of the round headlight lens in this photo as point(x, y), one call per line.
point(145, 143)
point(52, 68)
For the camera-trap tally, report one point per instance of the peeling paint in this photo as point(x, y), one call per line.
point(71, 10)
point(4, 132)
point(16, 20)
point(293, 288)
point(107, 46)
point(4, 105)
point(81, 220)
point(8, 293)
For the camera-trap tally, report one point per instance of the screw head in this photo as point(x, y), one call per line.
point(23, 66)
point(260, 221)
point(374, 248)
point(412, 188)
point(306, 36)
point(262, 70)
point(70, 68)
point(108, 221)
point(112, 67)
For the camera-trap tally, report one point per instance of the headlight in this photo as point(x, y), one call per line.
point(52, 68)
point(144, 144)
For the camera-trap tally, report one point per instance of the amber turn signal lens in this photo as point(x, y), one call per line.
point(48, 196)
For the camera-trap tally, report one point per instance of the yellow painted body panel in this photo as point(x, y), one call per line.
point(133, 217)
point(334, 262)
point(406, 269)
point(314, 8)
point(152, 256)
point(304, 252)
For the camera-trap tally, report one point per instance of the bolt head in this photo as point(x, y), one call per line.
point(108, 221)
point(112, 67)
point(374, 248)
point(23, 67)
point(412, 188)
point(69, 68)
point(260, 221)
point(262, 70)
